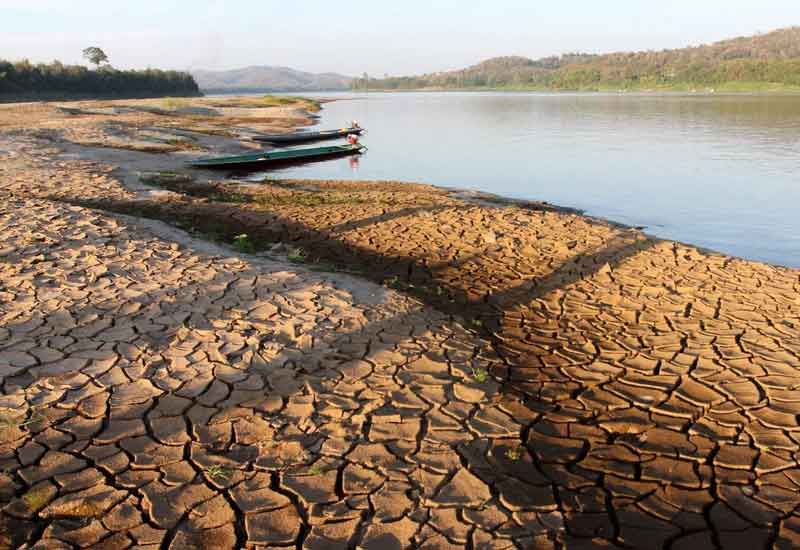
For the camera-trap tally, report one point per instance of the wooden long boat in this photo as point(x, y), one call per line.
point(305, 137)
point(274, 158)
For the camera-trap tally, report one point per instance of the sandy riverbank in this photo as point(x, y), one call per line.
point(389, 365)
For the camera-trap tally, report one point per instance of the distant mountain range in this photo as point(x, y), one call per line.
point(764, 62)
point(268, 79)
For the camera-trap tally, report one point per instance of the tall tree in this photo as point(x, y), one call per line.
point(95, 55)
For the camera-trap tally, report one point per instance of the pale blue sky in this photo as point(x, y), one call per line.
point(352, 36)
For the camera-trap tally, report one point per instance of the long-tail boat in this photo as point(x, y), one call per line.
point(305, 137)
point(275, 158)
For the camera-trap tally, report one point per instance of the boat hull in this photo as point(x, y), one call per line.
point(276, 159)
point(307, 137)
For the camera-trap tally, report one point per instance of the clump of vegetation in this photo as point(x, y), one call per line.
point(278, 100)
point(282, 100)
point(309, 199)
point(217, 473)
point(297, 255)
point(396, 284)
point(514, 453)
point(243, 244)
point(229, 197)
point(307, 104)
point(8, 421)
point(476, 323)
point(480, 375)
point(173, 103)
point(315, 470)
point(38, 498)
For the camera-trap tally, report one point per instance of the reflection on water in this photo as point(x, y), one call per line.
point(721, 172)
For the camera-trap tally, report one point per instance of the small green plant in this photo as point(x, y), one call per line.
point(173, 104)
point(397, 284)
point(297, 255)
point(273, 100)
point(480, 375)
point(9, 422)
point(278, 101)
point(228, 197)
point(37, 499)
point(243, 244)
point(513, 454)
point(217, 473)
point(306, 198)
point(315, 470)
point(476, 323)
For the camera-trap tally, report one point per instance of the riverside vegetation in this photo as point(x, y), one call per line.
point(23, 80)
point(765, 62)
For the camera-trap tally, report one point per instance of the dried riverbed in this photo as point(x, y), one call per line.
point(371, 365)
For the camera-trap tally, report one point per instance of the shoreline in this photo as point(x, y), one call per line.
point(545, 91)
point(55, 96)
point(469, 195)
point(366, 364)
point(663, 229)
point(493, 199)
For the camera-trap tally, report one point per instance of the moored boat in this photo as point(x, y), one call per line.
point(271, 158)
point(304, 137)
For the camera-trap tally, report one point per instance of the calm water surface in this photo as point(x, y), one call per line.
point(721, 172)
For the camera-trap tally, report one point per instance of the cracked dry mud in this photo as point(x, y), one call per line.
point(613, 390)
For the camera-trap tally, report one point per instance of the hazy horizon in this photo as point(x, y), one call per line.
point(413, 38)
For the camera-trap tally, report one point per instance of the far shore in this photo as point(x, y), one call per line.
point(615, 91)
point(609, 91)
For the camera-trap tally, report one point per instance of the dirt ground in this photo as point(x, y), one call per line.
point(189, 360)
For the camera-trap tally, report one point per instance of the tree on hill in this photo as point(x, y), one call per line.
point(95, 56)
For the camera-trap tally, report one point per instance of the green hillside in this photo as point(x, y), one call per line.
point(763, 62)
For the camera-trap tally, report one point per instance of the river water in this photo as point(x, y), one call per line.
point(721, 172)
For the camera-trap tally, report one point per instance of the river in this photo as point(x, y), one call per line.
point(717, 171)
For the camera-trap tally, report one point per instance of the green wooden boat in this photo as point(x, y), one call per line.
point(275, 158)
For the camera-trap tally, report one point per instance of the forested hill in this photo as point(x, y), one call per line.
point(25, 81)
point(761, 62)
